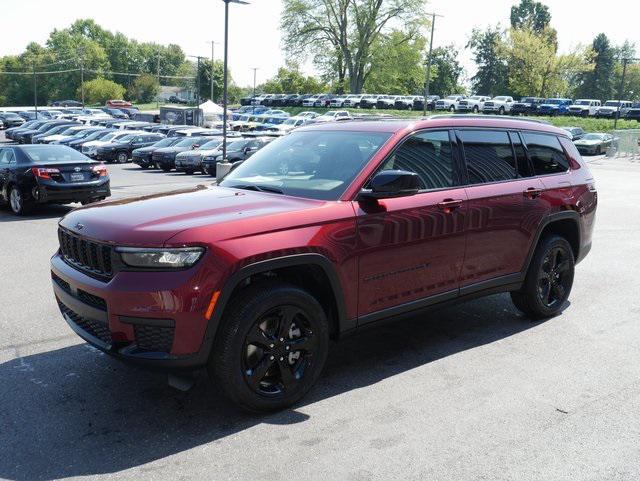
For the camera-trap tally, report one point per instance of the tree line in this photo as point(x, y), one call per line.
point(114, 66)
point(377, 46)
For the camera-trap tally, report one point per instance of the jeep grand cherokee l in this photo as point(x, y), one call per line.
point(328, 229)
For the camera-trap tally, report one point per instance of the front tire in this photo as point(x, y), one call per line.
point(548, 281)
point(271, 347)
point(122, 158)
point(501, 111)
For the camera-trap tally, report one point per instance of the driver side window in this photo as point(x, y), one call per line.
point(429, 155)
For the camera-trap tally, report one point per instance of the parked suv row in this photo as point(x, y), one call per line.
point(326, 230)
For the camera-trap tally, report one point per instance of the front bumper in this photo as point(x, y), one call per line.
point(163, 325)
point(106, 155)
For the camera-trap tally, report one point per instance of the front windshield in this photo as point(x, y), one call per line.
point(500, 98)
point(554, 101)
point(109, 136)
point(165, 142)
point(316, 164)
point(290, 122)
point(452, 97)
point(212, 144)
point(189, 142)
point(583, 102)
point(594, 137)
point(612, 103)
point(126, 138)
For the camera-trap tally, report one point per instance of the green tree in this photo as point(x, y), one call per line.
point(530, 15)
point(489, 54)
point(396, 65)
point(351, 27)
point(446, 71)
point(598, 82)
point(144, 88)
point(99, 90)
point(289, 79)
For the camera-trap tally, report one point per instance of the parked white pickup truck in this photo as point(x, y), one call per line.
point(473, 104)
point(584, 107)
point(498, 105)
point(449, 102)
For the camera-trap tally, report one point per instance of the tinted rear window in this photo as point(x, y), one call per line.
point(489, 156)
point(546, 154)
point(52, 154)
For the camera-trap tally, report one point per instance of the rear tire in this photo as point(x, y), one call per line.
point(122, 158)
point(18, 204)
point(548, 281)
point(166, 169)
point(271, 347)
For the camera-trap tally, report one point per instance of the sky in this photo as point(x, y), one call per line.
point(254, 36)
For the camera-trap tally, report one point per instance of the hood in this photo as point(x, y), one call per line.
point(145, 150)
point(152, 220)
point(172, 150)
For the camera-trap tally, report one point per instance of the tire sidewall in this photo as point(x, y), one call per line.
point(531, 282)
point(243, 311)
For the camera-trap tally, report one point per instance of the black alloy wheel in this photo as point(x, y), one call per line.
point(549, 279)
point(277, 350)
point(271, 346)
point(552, 277)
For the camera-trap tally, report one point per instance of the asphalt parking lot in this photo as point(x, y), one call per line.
point(473, 392)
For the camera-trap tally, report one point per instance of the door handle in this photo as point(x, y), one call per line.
point(532, 192)
point(449, 205)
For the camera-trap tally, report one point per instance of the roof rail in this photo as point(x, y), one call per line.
point(483, 116)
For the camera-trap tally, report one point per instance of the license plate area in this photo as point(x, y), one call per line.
point(77, 177)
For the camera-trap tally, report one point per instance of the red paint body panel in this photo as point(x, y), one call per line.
point(384, 253)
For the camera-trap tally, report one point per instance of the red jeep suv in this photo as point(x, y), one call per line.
point(328, 229)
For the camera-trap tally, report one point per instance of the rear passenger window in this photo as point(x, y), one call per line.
point(521, 156)
point(429, 155)
point(546, 154)
point(488, 155)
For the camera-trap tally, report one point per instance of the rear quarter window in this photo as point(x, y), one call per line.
point(546, 154)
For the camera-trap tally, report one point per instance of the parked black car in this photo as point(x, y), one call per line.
point(79, 135)
point(115, 113)
point(97, 135)
point(49, 174)
point(634, 112)
point(246, 100)
point(238, 150)
point(418, 102)
point(11, 119)
point(120, 151)
point(129, 111)
point(298, 102)
point(177, 100)
point(26, 136)
point(165, 158)
point(10, 133)
point(66, 103)
point(142, 156)
point(58, 129)
point(526, 106)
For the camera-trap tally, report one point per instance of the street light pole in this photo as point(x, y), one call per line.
point(35, 89)
point(226, 73)
point(254, 80)
point(428, 74)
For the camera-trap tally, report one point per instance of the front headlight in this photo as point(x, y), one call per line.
point(161, 258)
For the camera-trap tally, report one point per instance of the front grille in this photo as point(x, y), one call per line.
point(154, 338)
point(62, 283)
point(95, 328)
point(88, 256)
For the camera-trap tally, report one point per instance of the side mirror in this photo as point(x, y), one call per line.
point(195, 146)
point(391, 183)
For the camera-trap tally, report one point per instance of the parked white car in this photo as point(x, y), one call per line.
point(498, 105)
point(338, 101)
point(333, 115)
point(449, 102)
point(290, 124)
point(65, 134)
point(473, 104)
point(352, 101)
point(308, 114)
point(310, 101)
point(584, 107)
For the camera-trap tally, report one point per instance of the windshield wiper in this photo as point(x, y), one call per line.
point(259, 188)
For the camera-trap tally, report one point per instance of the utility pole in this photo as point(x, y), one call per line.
point(620, 91)
point(198, 90)
point(213, 57)
point(82, 76)
point(158, 74)
point(428, 75)
point(35, 89)
point(254, 80)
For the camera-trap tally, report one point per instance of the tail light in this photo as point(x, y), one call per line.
point(100, 170)
point(44, 173)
